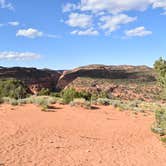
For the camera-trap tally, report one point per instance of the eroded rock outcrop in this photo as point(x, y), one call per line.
point(34, 78)
point(107, 72)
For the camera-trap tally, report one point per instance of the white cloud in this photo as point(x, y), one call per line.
point(30, 33)
point(139, 31)
point(18, 56)
point(159, 4)
point(14, 23)
point(69, 7)
point(88, 32)
point(112, 23)
point(4, 4)
point(107, 15)
point(79, 20)
point(112, 6)
point(34, 33)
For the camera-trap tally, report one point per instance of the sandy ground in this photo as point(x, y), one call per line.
point(77, 137)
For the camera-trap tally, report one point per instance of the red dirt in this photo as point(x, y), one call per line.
point(77, 137)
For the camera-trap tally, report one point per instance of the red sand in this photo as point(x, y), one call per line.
point(77, 137)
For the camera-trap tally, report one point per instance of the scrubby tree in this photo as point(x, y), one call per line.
point(44, 92)
point(70, 94)
point(160, 67)
point(13, 88)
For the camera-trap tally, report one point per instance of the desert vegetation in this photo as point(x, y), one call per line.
point(147, 95)
point(160, 114)
point(86, 104)
point(13, 88)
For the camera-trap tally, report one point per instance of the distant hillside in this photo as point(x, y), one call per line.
point(124, 81)
point(143, 73)
point(34, 78)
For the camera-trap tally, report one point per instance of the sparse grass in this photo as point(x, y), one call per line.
point(13, 102)
point(81, 102)
point(163, 139)
point(103, 101)
point(43, 101)
point(159, 126)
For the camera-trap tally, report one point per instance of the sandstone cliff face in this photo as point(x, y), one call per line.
point(143, 73)
point(34, 78)
point(102, 78)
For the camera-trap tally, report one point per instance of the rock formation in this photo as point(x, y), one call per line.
point(108, 72)
point(34, 78)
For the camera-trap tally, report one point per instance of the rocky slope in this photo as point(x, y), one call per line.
point(143, 73)
point(34, 78)
point(120, 81)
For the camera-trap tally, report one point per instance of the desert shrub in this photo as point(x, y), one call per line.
point(116, 103)
point(1, 100)
point(85, 95)
point(59, 100)
point(163, 139)
point(43, 102)
point(55, 94)
point(22, 101)
point(103, 101)
point(97, 95)
point(81, 102)
point(13, 88)
point(13, 102)
point(70, 93)
point(160, 68)
point(160, 125)
point(6, 99)
point(44, 92)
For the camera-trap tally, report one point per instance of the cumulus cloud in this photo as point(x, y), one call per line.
point(159, 4)
point(112, 23)
point(139, 31)
point(112, 6)
point(30, 33)
point(18, 56)
point(14, 23)
point(79, 20)
point(88, 32)
point(4, 4)
point(108, 15)
point(69, 7)
point(34, 33)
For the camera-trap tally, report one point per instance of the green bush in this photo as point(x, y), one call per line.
point(44, 92)
point(97, 95)
point(13, 102)
point(160, 68)
point(69, 94)
point(81, 102)
point(55, 94)
point(85, 95)
point(13, 88)
point(160, 125)
point(1, 100)
point(103, 101)
point(163, 139)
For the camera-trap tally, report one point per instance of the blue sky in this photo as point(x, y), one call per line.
point(63, 34)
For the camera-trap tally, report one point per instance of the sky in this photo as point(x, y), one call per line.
point(64, 34)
